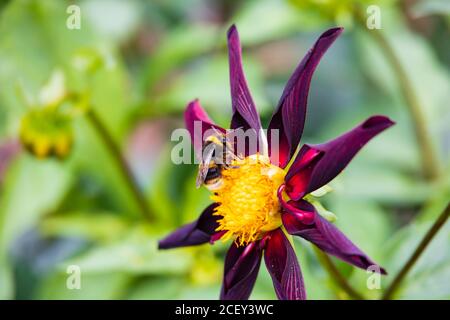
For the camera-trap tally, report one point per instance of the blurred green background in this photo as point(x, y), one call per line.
point(138, 63)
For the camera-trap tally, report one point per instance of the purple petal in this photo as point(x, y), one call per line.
point(327, 160)
point(282, 264)
point(324, 235)
point(244, 110)
point(289, 117)
point(303, 166)
point(240, 272)
point(197, 232)
point(198, 122)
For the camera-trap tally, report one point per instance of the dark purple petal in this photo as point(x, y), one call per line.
point(197, 232)
point(282, 264)
point(244, 110)
point(325, 161)
point(240, 272)
point(304, 164)
point(198, 122)
point(324, 234)
point(289, 117)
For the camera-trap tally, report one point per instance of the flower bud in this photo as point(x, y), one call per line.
point(47, 132)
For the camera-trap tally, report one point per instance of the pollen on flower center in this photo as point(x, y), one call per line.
point(248, 199)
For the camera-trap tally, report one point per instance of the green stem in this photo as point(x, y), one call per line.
point(120, 161)
point(336, 276)
point(430, 164)
point(416, 254)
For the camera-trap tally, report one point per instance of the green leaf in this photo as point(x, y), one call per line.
point(364, 222)
point(95, 226)
point(317, 282)
point(430, 7)
point(6, 279)
point(428, 279)
point(100, 286)
point(196, 200)
point(200, 292)
point(430, 81)
point(31, 189)
point(280, 19)
point(380, 183)
point(136, 253)
point(369, 227)
point(178, 47)
point(167, 185)
point(209, 82)
point(112, 19)
point(157, 288)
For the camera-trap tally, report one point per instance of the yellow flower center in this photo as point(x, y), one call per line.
point(248, 200)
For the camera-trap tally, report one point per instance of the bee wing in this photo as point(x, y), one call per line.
point(201, 176)
point(204, 165)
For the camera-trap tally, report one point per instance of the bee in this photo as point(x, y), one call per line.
point(217, 154)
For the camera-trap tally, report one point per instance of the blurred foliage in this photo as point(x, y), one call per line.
point(139, 63)
point(340, 11)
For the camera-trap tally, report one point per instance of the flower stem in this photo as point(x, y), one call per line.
point(416, 254)
point(430, 164)
point(337, 277)
point(120, 161)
